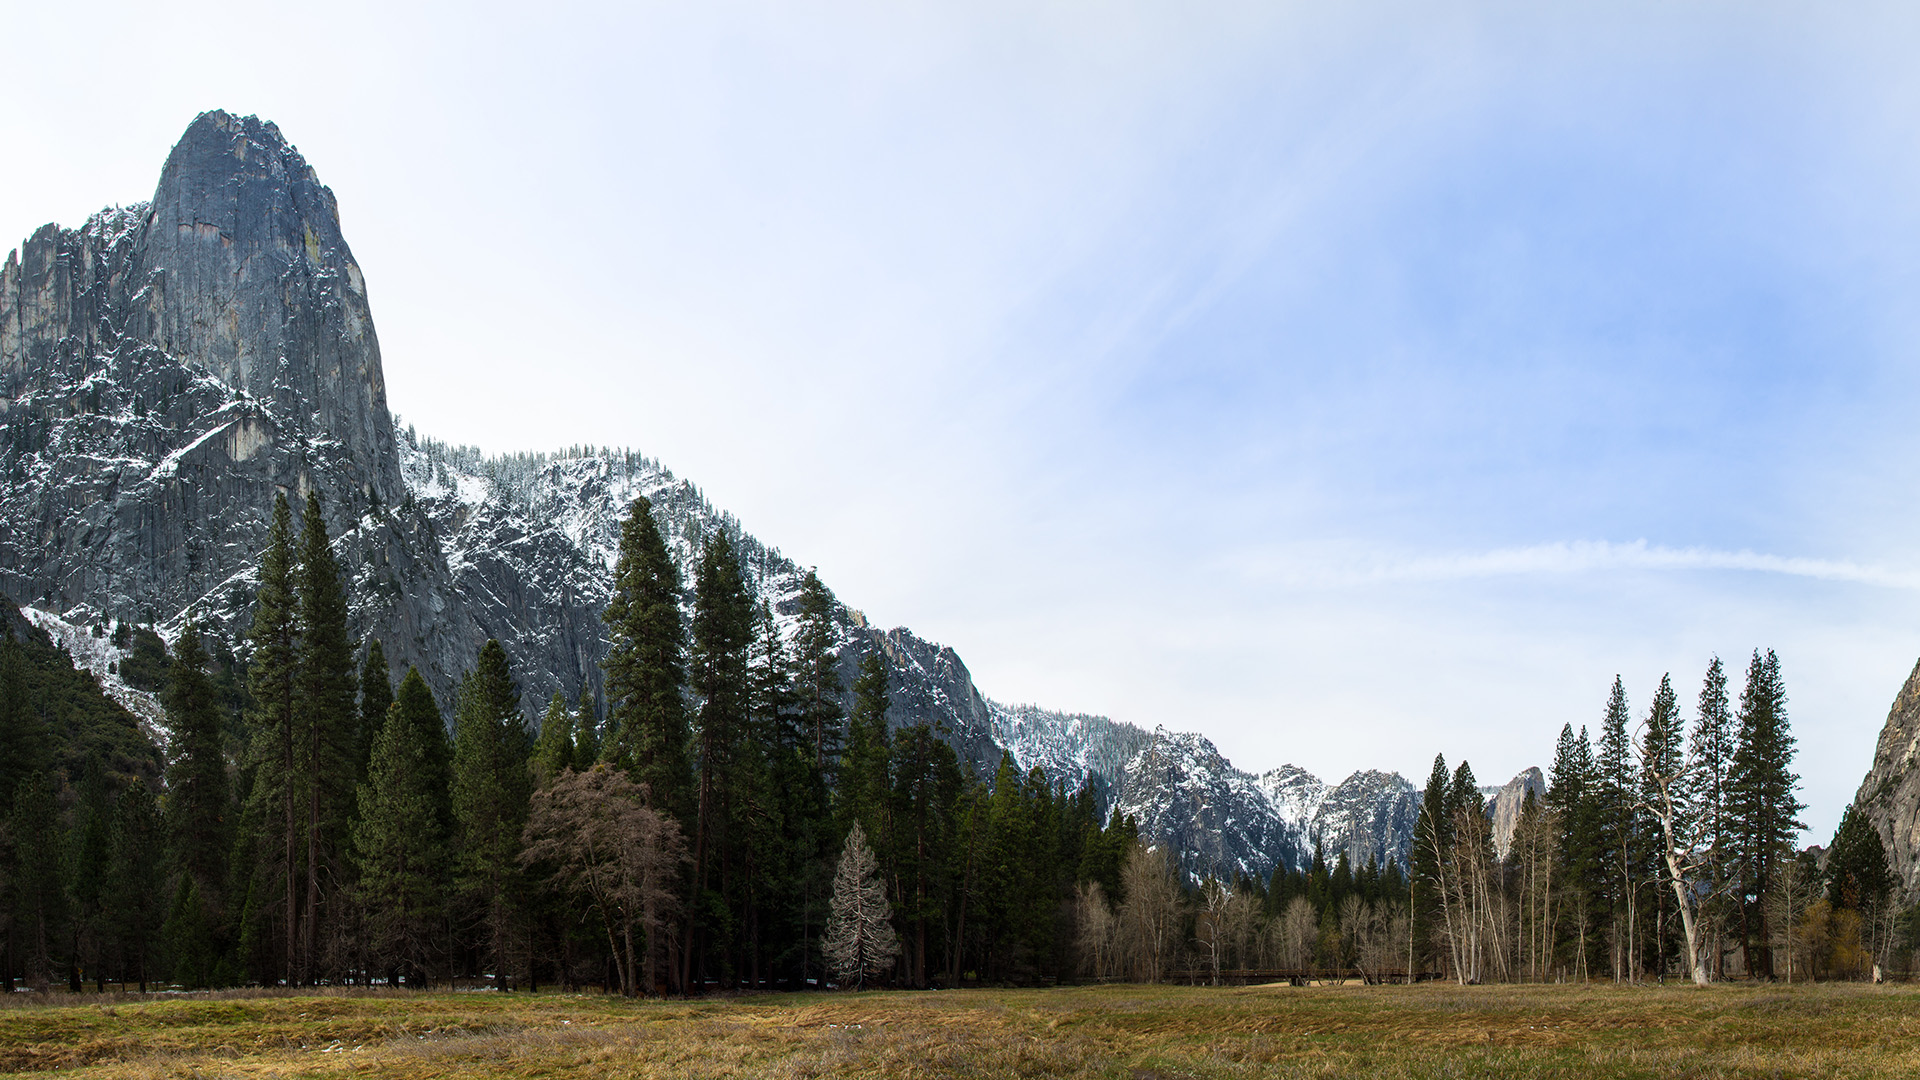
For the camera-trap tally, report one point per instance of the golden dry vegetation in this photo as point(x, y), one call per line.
point(1119, 1032)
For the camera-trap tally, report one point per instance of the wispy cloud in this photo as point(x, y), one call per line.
point(1563, 559)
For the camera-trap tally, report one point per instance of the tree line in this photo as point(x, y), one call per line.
point(730, 815)
point(1662, 848)
point(315, 823)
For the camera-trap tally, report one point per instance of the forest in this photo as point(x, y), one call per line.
point(730, 816)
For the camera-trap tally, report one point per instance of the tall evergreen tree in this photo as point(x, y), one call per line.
point(491, 786)
point(197, 800)
point(327, 720)
point(1762, 810)
point(401, 849)
point(422, 715)
point(1571, 796)
point(722, 637)
point(1661, 756)
point(278, 781)
point(553, 749)
point(1616, 795)
point(1432, 840)
point(40, 915)
point(135, 883)
point(817, 673)
point(88, 849)
point(376, 696)
point(1705, 793)
point(863, 778)
point(648, 734)
point(1857, 875)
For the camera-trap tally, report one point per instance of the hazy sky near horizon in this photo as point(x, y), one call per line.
point(1347, 382)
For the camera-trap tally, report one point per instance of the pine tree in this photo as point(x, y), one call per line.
point(553, 749)
point(422, 715)
point(197, 801)
point(1857, 875)
point(1763, 813)
point(491, 785)
point(40, 917)
point(860, 942)
point(863, 769)
point(401, 849)
point(135, 883)
point(722, 637)
point(645, 666)
point(1661, 758)
point(1432, 840)
point(817, 673)
point(88, 850)
point(327, 720)
point(277, 779)
point(376, 696)
point(927, 785)
point(1615, 796)
point(1704, 797)
point(1571, 797)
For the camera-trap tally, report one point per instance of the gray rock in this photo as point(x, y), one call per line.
point(1889, 795)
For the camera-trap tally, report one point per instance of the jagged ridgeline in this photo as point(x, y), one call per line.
point(169, 367)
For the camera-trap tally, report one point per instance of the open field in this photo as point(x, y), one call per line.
point(1119, 1032)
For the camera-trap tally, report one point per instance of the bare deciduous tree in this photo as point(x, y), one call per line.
point(1150, 917)
point(614, 852)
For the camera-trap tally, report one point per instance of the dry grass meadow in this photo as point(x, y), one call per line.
point(1117, 1032)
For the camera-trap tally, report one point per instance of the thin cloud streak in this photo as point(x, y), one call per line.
point(1567, 558)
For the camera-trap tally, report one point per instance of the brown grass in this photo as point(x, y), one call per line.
point(1116, 1032)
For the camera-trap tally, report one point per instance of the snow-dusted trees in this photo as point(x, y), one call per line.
point(620, 856)
point(860, 943)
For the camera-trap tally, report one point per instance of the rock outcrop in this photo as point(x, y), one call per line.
point(1890, 793)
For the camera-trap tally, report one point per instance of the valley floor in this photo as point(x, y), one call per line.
point(1119, 1032)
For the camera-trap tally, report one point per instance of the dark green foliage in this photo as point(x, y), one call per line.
point(1761, 810)
point(197, 801)
point(862, 785)
point(491, 786)
point(376, 695)
point(1857, 874)
point(327, 720)
point(817, 674)
point(88, 848)
point(53, 715)
point(647, 730)
point(553, 749)
point(134, 889)
point(400, 846)
point(37, 890)
point(146, 664)
point(271, 845)
point(1661, 755)
point(421, 714)
point(1432, 840)
point(727, 762)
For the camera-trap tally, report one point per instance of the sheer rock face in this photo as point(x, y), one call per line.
point(1890, 793)
point(169, 367)
point(1504, 804)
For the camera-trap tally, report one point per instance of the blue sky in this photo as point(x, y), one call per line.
point(1348, 382)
